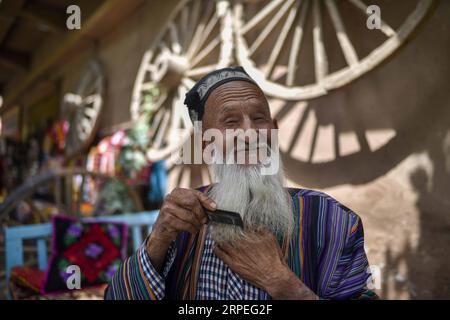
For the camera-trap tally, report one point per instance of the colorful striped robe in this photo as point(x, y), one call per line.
point(326, 253)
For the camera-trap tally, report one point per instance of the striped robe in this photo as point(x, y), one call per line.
point(326, 252)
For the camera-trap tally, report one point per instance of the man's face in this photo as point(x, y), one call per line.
point(238, 105)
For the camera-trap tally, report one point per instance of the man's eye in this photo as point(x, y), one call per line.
point(230, 122)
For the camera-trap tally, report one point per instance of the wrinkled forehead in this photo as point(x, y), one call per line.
point(234, 92)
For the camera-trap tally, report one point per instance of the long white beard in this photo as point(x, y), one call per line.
point(260, 199)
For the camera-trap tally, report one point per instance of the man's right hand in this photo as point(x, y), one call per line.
point(182, 210)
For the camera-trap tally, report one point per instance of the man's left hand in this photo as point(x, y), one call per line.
point(259, 260)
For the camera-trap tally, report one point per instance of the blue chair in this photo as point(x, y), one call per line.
point(14, 236)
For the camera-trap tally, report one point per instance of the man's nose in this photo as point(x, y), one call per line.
point(247, 123)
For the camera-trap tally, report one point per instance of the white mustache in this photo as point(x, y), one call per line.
point(257, 147)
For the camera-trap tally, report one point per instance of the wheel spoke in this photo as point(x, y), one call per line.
point(296, 43)
point(347, 48)
point(163, 46)
point(207, 50)
point(261, 15)
point(269, 27)
point(385, 28)
point(77, 132)
point(226, 33)
point(280, 41)
point(176, 46)
point(92, 98)
point(179, 112)
point(91, 112)
point(200, 71)
point(78, 136)
point(205, 34)
point(193, 19)
point(188, 83)
point(86, 125)
point(320, 57)
point(155, 105)
point(199, 30)
point(184, 26)
point(160, 101)
point(161, 131)
point(156, 121)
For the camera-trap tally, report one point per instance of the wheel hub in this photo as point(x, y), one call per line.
point(169, 69)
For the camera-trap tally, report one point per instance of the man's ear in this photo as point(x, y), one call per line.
point(275, 123)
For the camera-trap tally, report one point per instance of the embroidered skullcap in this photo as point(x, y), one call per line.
point(196, 97)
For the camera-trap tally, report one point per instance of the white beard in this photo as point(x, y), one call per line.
point(261, 200)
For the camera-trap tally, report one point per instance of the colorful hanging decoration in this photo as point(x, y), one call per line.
point(58, 133)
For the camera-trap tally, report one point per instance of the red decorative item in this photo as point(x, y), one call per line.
point(89, 266)
point(96, 248)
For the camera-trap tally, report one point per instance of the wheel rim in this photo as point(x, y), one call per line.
point(82, 109)
point(196, 40)
point(290, 18)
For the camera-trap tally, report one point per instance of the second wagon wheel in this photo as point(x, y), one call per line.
point(197, 39)
point(82, 107)
point(301, 49)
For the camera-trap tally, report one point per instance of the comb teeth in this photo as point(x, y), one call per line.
point(225, 217)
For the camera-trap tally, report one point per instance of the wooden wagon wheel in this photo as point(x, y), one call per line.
point(271, 35)
point(82, 108)
point(196, 40)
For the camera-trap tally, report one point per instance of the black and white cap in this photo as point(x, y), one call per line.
point(196, 97)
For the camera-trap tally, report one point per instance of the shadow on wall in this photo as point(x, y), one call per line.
point(428, 263)
point(405, 97)
point(410, 97)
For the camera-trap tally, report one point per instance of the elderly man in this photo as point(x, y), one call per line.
point(295, 243)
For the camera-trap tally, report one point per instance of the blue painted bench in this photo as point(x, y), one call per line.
point(14, 236)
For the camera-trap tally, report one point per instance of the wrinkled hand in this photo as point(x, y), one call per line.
point(182, 210)
point(255, 259)
point(259, 260)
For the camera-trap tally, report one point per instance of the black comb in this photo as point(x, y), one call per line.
point(226, 217)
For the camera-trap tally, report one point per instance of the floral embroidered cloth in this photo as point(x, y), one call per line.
point(96, 249)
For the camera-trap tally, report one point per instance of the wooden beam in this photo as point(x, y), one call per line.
point(101, 18)
point(14, 59)
point(9, 9)
point(53, 18)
